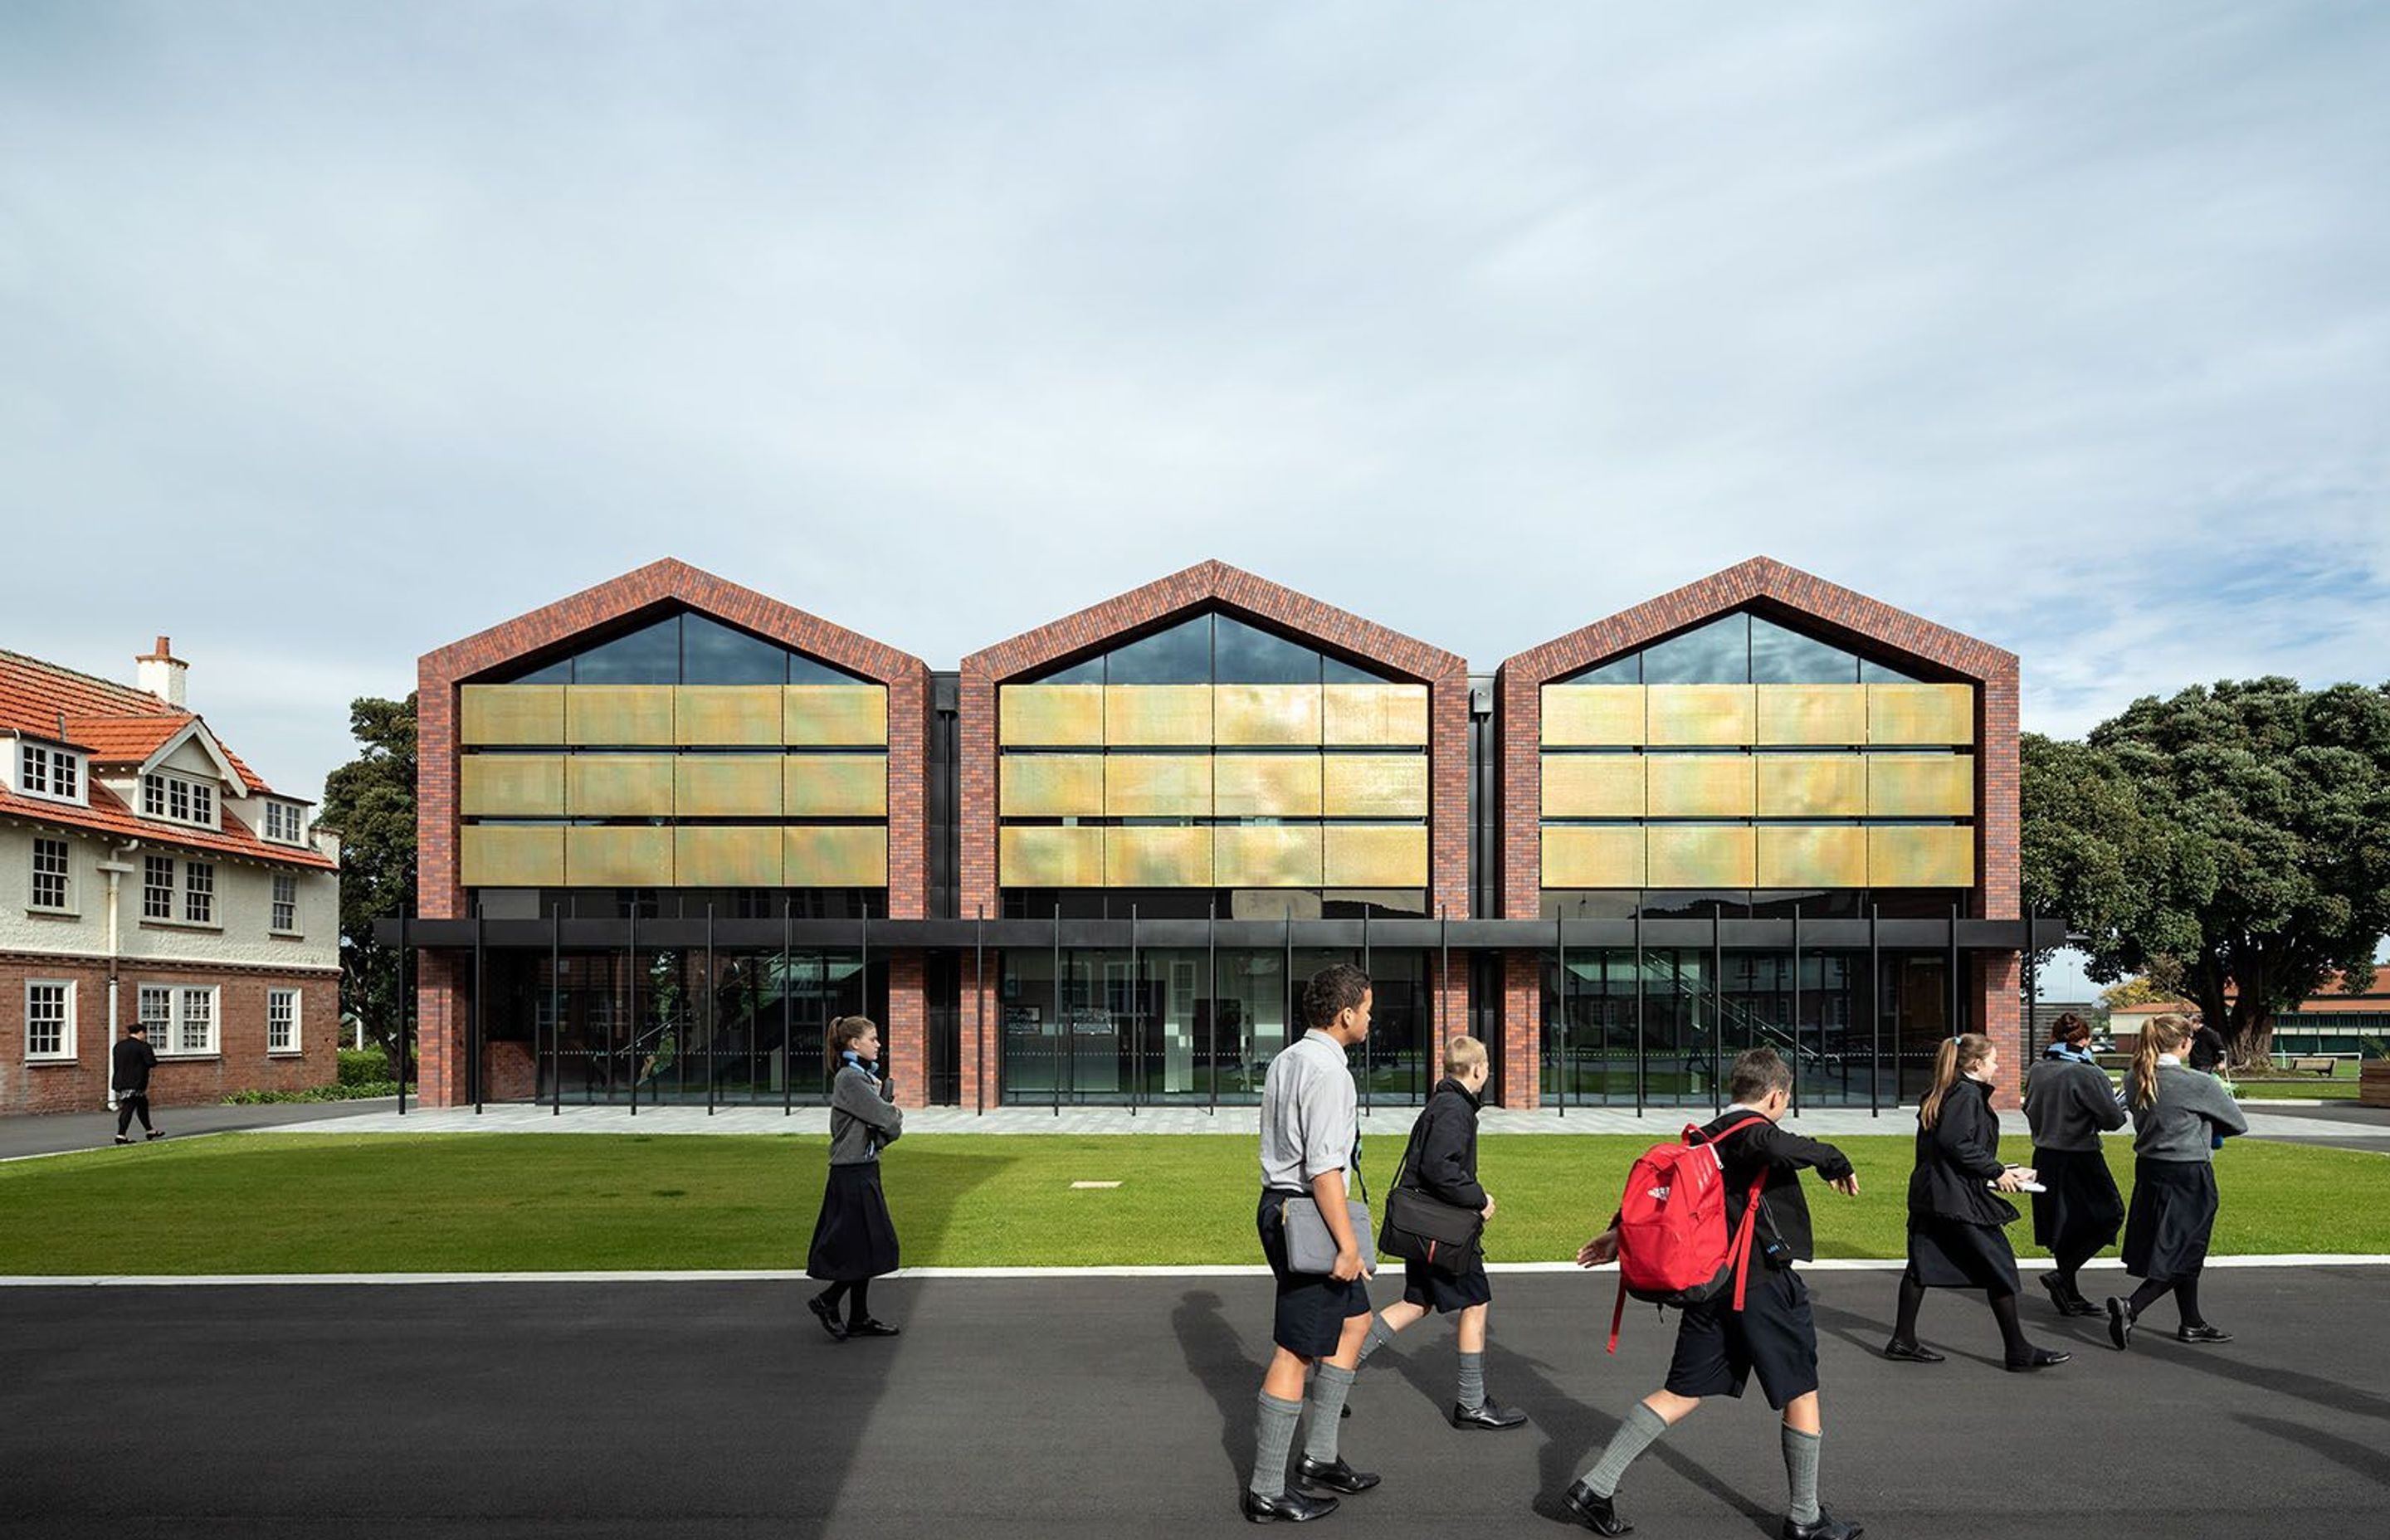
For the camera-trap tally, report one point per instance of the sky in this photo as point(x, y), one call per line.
point(331, 334)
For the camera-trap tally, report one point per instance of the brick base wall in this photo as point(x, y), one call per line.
point(1998, 985)
point(1523, 1018)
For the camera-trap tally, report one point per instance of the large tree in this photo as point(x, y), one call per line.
point(370, 803)
point(2239, 833)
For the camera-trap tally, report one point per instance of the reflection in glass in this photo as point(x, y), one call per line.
point(1740, 648)
point(712, 653)
point(1618, 670)
point(1181, 655)
point(1247, 655)
point(1782, 657)
point(647, 656)
point(683, 648)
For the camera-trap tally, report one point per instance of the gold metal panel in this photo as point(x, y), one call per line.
point(1394, 715)
point(1603, 856)
point(1709, 714)
point(632, 716)
point(848, 855)
point(1920, 714)
point(1921, 856)
point(511, 714)
point(1811, 785)
point(1051, 786)
point(1593, 786)
point(1826, 714)
point(618, 857)
point(1051, 857)
point(1158, 716)
point(1266, 855)
point(1921, 785)
point(745, 856)
point(834, 716)
point(729, 715)
point(1375, 786)
point(1254, 714)
point(1593, 716)
point(1363, 855)
point(510, 856)
point(835, 786)
point(1158, 858)
point(1698, 785)
point(512, 785)
point(726, 786)
point(1158, 786)
point(618, 785)
point(1700, 856)
point(1796, 855)
point(1266, 786)
point(1056, 716)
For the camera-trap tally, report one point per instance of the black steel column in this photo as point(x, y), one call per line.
point(1875, 1010)
point(1642, 1049)
point(1956, 1025)
point(1212, 984)
point(406, 1010)
point(711, 1023)
point(474, 1024)
point(631, 1014)
point(1796, 1007)
point(1061, 1020)
point(1136, 1017)
point(1717, 1012)
point(788, 1019)
point(556, 1007)
point(1365, 1106)
point(1560, 952)
point(978, 989)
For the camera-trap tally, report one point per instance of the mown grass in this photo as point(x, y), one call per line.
point(309, 1203)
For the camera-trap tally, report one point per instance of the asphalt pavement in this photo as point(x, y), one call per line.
point(1112, 1407)
point(56, 1132)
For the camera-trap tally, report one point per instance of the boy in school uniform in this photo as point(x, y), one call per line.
point(1719, 1348)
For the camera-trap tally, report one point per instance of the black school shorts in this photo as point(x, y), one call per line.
point(1311, 1307)
point(1718, 1347)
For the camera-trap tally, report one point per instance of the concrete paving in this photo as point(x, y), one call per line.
point(58, 1133)
point(1113, 1407)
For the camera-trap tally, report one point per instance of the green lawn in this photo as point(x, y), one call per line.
point(303, 1203)
point(2341, 1085)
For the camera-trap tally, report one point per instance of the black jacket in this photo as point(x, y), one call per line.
point(1784, 1209)
point(129, 1065)
point(2207, 1050)
point(1442, 1155)
point(1956, 1157)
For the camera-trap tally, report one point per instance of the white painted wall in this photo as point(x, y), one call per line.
point(244, 893)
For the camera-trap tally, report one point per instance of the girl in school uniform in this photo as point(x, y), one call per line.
point(854, 1241)
point(2070, 1104)
point(2180, 1115)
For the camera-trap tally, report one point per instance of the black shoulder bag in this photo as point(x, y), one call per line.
point(1424, 1228)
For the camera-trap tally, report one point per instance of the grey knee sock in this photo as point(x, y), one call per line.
point(1272, 1440)
point(1801, 1473)
point(1379, 1335)
point(1472, 1395)
point(1329, 1386)
point(1640, 1432)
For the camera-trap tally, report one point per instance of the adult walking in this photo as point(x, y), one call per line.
point(854, 1241)
point(129, 1064)
point(1441, 1160)
point(1956, 1235)
point(1310, 1138)
point(2069, 1104)
point(2180, 1115)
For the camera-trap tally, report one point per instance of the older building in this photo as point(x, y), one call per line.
point(153, 875)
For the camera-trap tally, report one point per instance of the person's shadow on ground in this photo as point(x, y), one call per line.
point(1215, 1355)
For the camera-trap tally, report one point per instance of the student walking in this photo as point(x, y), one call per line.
point(1441, 1160)
point(2069, 1104)
point(854, 1241)
point(2178, 1117)
point(1956, 1239)
point(1718, 1347)
point(129, 1064)
point(1310, 1138)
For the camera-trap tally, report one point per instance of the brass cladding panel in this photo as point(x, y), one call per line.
point(835, 786)
point(1812, 786)
point(1824, 715)
point(1593, 716)
point(1698, 785)
point(851, 855)
point(1793, 856)
point(618, 857)
point(729, 715)
point(1266, 786)
point(834, 716)
point(1700, 856)
point(1708, 715)
point(509, 856)
point(1058, 716)
point(1935, 714)
point(1594, 858)
point(1375, 786)
point(618, 785)
point(1158, 786)
point(1051, 857)
point(1593, 786)
point(529, 714)
point(1392, 715)
point(1246, 715)
point(1158, 716)
point(602, 715)
point(1158, 858)
point(1923, 855)
point(1921, 785)
point(735, 857)
point(1051, 786)
point(511, 786)
point(1266, 855)
point(726, 786)
point(1356, 856)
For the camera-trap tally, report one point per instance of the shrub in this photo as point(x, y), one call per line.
point(357, 1092)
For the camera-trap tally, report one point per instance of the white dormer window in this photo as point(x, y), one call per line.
point(178, 799)
point(285, 823)
point(52, 773)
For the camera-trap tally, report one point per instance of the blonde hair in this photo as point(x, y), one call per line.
point(2165, 1033)
point(1953, 1058)
point(1462, 1055)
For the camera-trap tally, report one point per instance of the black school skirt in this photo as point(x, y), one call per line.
point(2173, 1213)
point(1951, 1253)
point(2082, 1210)
point(853, 1239)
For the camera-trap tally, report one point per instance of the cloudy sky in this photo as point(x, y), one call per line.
point(331, 333)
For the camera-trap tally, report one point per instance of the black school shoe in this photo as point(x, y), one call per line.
point(871, 1327)
point(2120, 1323)
point(1910, 1352)
point(2040, 1358)
point(2065, 1300)
point(2203, 1332)
point(1335, 1475)
point(124, 1139)
point(1287, 1508)
point(1597, 1512)
point(1489, 1414)
point(828, 1316)
point(1828, 1527)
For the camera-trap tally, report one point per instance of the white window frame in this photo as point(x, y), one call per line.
point(150, 890)
point(276, 921)
point(284, 822)
point(292, 995)
point(65, 1052)
point(65, 875)
point(56, 764)
point(160, 1021)
point(198, 797)
point(167, 1033)
point(200, 893)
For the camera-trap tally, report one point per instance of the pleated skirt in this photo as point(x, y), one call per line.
point(853, 1239)
point(2082, 1210)
point(2173, 1214)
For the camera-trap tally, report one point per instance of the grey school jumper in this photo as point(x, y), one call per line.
point(870, 1122)
point(2174, 1126)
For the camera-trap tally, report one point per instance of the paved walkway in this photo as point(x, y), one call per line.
point(58, 1132)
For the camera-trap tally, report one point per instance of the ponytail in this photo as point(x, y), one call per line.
point(2163, 1034)
point(1953, 1058)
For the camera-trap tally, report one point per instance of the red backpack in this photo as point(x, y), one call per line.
point(1673, 1246)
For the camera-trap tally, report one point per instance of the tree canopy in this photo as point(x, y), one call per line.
point(369, 802)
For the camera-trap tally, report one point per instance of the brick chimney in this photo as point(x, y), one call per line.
point(161, 674)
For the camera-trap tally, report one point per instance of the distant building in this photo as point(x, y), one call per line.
point(2330, 1021)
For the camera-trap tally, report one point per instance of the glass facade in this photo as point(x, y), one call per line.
point(1740, 648)
point(685, 649)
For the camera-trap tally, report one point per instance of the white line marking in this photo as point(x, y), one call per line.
point(1078, 1185)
